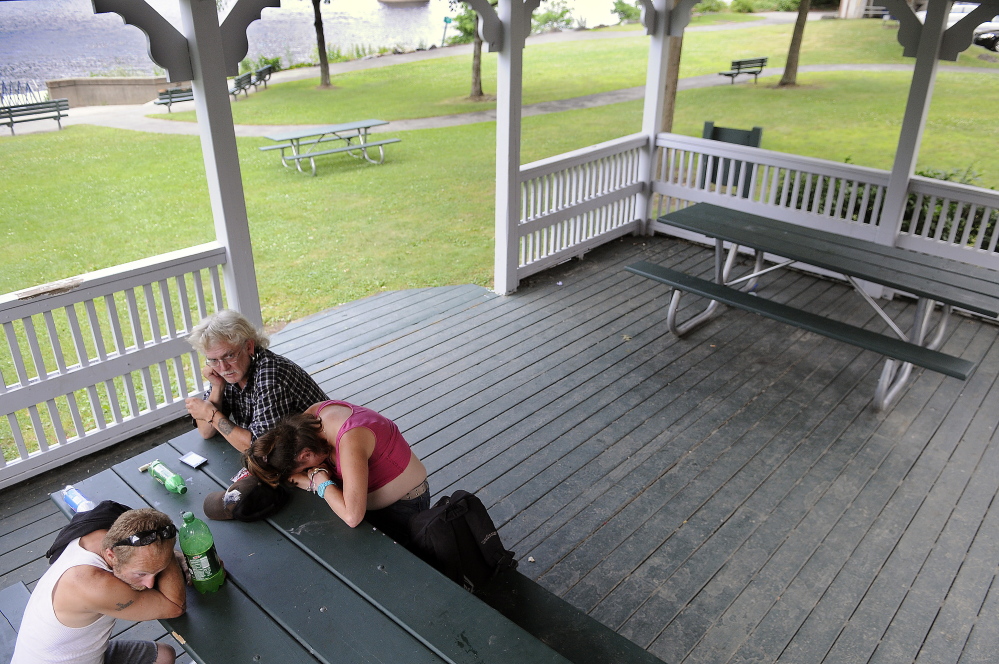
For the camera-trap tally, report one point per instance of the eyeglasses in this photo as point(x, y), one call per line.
point(226, 359)
point(147, 537)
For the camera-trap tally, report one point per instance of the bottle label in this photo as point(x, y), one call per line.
point(204, 565)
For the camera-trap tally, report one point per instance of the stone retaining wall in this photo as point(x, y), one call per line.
point(109, 90)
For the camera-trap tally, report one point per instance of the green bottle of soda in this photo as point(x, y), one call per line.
point(198, 545)
point(171, 480)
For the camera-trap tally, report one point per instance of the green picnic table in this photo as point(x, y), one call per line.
point(312, 142)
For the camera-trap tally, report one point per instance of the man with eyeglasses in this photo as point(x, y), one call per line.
point(250, 387)
point(129, 571)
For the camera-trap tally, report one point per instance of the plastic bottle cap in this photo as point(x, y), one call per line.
point(188, 517)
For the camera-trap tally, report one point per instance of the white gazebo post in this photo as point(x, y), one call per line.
point(205, 53)
point(914, 121)
point(514, 26)
point(664, 21)
point(218, 145)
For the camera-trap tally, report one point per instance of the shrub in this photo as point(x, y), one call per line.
point(742, 6)
point(556, 16)
point(628, 12)
point(249, 64)
point(710, 6)
point(788, 5)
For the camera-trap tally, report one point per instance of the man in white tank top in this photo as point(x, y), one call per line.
point(128, 572)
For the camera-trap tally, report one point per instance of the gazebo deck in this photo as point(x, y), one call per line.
point(731, 496)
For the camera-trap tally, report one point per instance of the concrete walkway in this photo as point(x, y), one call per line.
point(135, 117)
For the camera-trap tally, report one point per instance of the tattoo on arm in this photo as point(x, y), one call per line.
point(224, 426)
point(121, 606)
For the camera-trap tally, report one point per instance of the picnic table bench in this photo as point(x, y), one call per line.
point(750, 66)
point(173, 96)
point(52, 109)
point(242, 84)
point(13, 600)
point(931, 279)
point(303, 587)
point(354, 136)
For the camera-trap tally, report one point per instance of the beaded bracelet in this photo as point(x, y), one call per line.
point(321, 489)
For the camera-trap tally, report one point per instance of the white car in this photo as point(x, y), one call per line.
point(957, 12)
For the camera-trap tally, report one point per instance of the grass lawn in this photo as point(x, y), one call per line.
point(357, 229)
point(560, 71)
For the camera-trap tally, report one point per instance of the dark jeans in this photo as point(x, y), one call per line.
point(394, 519)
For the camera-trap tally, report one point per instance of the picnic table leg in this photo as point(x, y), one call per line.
point(895, 375)
point(722, 272)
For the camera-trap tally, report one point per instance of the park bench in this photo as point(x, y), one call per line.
point(13, 600)
point(173, 96)
point(242, 84)
point(354, 590)
point(931, 279)
point(751, 66)
point(262, 75)
point(53, 109)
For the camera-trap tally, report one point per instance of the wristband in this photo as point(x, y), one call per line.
point(321, 489)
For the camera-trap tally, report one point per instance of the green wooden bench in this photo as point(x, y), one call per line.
point(931, 279)
point(13, 600)
point(262, 75)
point(175, 95)
point(53, 109)
point(750, 66)
point(241, 83)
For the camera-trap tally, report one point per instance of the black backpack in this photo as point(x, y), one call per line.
point(457, 537)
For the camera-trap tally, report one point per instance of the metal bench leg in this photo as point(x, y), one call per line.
point(722, 272)
point(381, 154)
point(895, 375)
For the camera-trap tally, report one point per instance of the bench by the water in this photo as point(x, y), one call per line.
point(353, 134)
point(933, 280)
point(262, 75)
point(173, 96)
point(305, 587)
point(241, 83)
point(751, 66)
point(53, 109)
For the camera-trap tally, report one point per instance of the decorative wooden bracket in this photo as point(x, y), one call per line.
point(490, 26)
point(649, 16)
point(168, 47)
point(234, 25)
point(956, 38)
point(679, 18)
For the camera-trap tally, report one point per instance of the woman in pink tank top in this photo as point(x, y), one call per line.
point(353, 458)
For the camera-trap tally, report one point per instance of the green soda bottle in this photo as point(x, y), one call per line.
point(198, 545)
point(171, 480)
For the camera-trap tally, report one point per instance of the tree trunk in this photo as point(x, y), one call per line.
point(476, 67)
point(790, 76)
point(324, 62)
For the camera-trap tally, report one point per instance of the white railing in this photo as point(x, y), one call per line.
point(573, 202)
point(942, 218)
point(952, 220)
point(95, 359)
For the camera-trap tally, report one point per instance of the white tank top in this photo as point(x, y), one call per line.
point(42, 639)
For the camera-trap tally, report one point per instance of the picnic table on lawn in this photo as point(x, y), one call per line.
point(303, 587)
point(313, 142)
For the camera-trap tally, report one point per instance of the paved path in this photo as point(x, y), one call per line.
point(135, 117)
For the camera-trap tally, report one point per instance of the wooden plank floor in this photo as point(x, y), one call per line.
point(729, 497)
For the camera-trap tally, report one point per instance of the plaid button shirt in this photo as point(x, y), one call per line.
point(276, 388)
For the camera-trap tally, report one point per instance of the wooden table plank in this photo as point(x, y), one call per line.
point(249, 635)
point(449, 620)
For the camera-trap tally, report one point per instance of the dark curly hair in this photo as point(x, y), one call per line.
point(273, 457)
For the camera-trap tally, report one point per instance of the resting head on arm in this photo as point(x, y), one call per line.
point(229, 342)
point(297, 450)
point(145, 583)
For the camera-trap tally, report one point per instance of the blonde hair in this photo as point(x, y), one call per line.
point(131, 523)
point(228, 326)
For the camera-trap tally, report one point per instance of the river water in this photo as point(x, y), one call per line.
point(46, 39)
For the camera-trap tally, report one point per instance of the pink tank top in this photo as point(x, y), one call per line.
point(391, 455)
